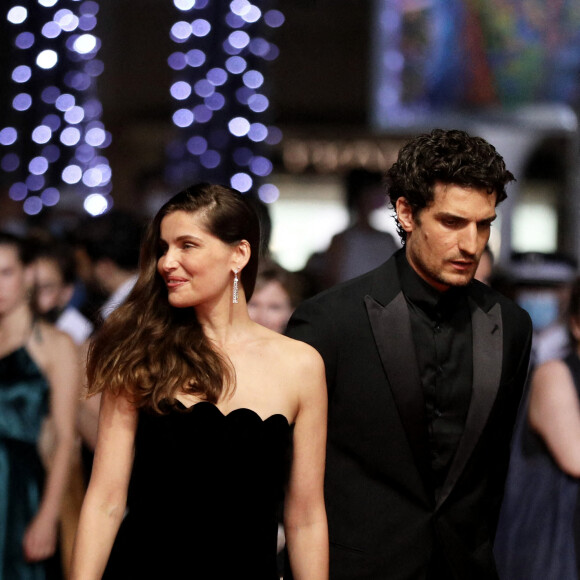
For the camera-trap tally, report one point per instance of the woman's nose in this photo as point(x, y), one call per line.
point(167, 261)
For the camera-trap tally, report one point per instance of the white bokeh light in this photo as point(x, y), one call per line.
point(96, 204)
point(47, 59)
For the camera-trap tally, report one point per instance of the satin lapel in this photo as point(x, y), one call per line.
point(487, 363)
point(391, 328)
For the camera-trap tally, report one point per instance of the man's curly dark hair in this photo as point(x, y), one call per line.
point(448, 157)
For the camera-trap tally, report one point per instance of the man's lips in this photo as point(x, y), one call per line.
point(462, 264)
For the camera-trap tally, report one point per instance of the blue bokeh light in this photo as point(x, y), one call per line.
point(180, 90)
point(183, 117)
point(21, 74)
point(18, 191)
point(32, 205)
point(41, 134)
point(10, 162)
point(224, 131)
point(8, 136)
point(59, 99)
point(200, 27)
point(50, 196)
point(24, 40)
point(242, 182)
point(268, 193)
point(38, 165)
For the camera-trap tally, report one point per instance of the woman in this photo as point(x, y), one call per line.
point(275, 297)
point(38, 382)
point(539, 535)
point(197, 403)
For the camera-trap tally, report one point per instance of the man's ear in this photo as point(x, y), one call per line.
point(405, 214)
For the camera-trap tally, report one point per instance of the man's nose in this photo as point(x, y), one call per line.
point(468, 240)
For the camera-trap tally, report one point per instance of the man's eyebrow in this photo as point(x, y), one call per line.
point(448, 215)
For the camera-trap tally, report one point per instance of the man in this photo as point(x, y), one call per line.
point(425, 369)
point(55, 277)
point(109, 247)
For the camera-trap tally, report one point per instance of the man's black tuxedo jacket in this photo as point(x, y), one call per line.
point(384, 519)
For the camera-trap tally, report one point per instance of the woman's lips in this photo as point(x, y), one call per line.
point(175, 282)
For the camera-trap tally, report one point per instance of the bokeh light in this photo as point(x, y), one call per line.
point(219, 67)
point(52, 137)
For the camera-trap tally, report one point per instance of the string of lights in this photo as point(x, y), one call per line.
point(52, 140)
point(220, 94)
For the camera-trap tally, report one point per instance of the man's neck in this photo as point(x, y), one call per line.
point(117, 279)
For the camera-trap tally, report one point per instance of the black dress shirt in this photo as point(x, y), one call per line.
point(441, 327)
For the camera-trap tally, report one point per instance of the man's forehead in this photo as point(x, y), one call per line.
point(459, 196)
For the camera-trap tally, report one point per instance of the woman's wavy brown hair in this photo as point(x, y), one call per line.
point(149, 350)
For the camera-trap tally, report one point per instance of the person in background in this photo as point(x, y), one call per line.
point(275, 297)
point(202, 409)
point(425, 369)
point(39, 381)
point(111, 243)
point(485, 268)
point(540, 529)
point(54, 269)
point(55, 276)
point(361, 246)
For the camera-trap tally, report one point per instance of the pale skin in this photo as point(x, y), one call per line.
point(57, 357)
point(51, 291)
point(554, 410)
point(270, 306)
point(446, 239)
point(274, 374)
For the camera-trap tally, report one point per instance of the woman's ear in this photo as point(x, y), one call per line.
point(405, 214)
point(242, 254)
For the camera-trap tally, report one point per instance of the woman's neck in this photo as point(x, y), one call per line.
point(225, 324)
point(15, 325)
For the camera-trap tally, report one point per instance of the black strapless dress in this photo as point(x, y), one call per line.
point(204, 496)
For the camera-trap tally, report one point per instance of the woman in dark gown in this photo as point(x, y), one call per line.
point(206, 416)
point(39, 382)
point(539, 533)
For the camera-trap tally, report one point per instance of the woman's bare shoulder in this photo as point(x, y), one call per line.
point(52, 337)
point(52, 345)
point(289, 348)
point(551, 371)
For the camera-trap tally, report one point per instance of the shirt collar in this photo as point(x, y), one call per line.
point(422, 294)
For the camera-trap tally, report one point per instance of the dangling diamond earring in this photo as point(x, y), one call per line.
point(236, 283)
